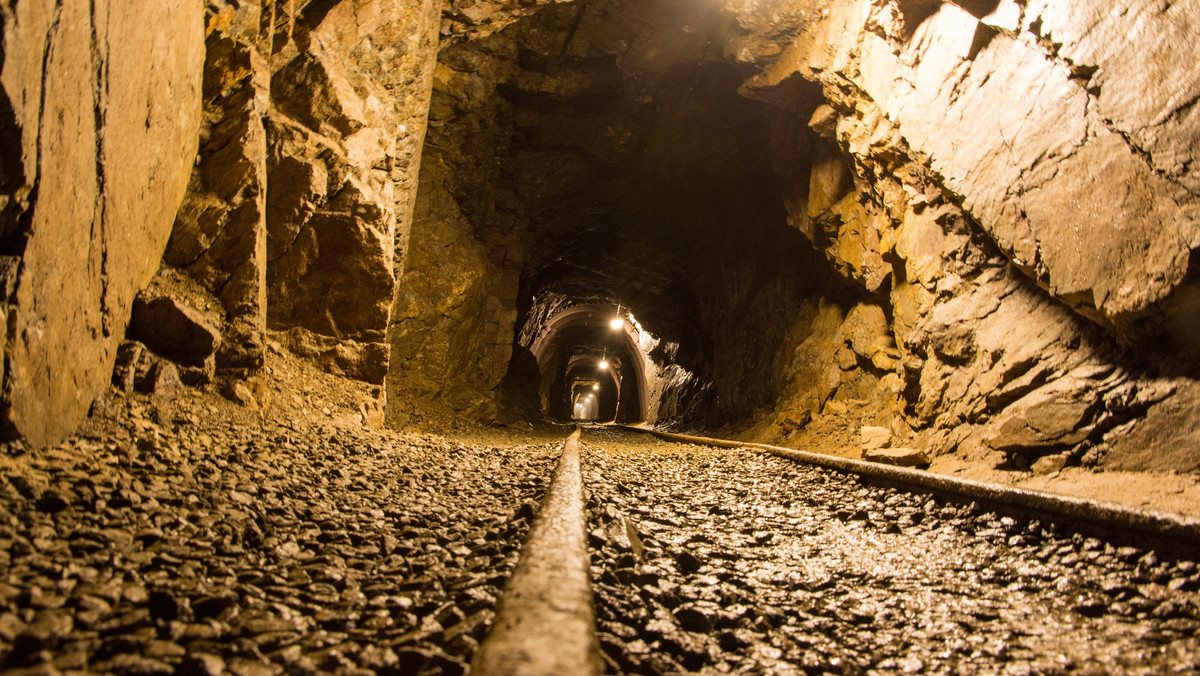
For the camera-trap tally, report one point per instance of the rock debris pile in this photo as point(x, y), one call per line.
point(735, 561)
point(209, 542)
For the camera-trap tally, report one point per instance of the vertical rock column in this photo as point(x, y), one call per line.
point(99, 112)
point(219, 238)
point(350, 90)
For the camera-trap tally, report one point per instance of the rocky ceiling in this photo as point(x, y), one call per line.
point(724, 171)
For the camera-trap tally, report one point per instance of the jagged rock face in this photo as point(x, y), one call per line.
point(218, 237)
point(987, 362)
point(967, 223)
point(301, 199)
point(977, 168)
point(1019, 113)
point(99, 132)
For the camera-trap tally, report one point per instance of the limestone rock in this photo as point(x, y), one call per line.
point(901, 457)
point(125, 372)
point(162, 381)
point(102, 96)
point(219, 234)
point(344, 140)
point(1167, 438)
point(174, 330)
point(1042, 213)
point(875, 438)
point(866, 331)
point(1054, 416)
point(239, 392)
point(363, 361)
point(1049, 464)
point(830, 181)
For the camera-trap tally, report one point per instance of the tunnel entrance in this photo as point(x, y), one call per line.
point(591, 367)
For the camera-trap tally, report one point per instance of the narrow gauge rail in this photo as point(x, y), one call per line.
point(740, 561)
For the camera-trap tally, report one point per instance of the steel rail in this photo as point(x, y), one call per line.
point(1169, 534)
point(545, 622)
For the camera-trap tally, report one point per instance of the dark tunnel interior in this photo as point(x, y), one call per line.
point(657, 190)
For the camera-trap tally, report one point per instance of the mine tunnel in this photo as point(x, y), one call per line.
point(317, 288)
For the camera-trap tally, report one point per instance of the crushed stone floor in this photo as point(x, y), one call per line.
point(196, 536)
point(719, 561)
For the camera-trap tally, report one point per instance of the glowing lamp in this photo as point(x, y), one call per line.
point(617, 323)
point(604, 364)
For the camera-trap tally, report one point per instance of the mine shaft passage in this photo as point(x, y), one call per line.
point(741, 562)
point(592, 365)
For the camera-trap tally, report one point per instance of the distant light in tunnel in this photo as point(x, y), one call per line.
point(604, 364)
point(617, 323)
point(596, 387)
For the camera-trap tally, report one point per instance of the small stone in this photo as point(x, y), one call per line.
point(1049, 464)
point(240, 393)
point(901, 457)
point(693, 619)
point(51, 503)
point(688, 562)
point(874, 438)
point(201, 664)
point(165, 606)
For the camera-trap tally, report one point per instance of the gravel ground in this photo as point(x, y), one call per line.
point(196, 539)
point(711, 560)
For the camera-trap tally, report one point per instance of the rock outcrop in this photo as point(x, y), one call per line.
point(1020, 116)
point(957, 213)
point(299, 206)
point(99, 128)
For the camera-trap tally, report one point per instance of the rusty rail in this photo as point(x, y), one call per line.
point(545, 624)
point(1166, 533)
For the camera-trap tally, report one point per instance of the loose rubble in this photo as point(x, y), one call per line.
point(198, 539)
point(734, 561)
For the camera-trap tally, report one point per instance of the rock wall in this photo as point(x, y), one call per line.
point(452, 329)
point(300, 203)
point(1049, 122)
point(1014, 253)
point(219, 237)
point(85, 209)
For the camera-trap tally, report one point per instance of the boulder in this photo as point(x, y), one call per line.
point(172, 329)
point(101, 129)
point(162, 381)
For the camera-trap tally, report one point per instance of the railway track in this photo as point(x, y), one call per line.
point(248, 548)
point(742, 561)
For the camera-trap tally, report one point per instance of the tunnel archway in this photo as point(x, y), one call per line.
point(579, 344)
